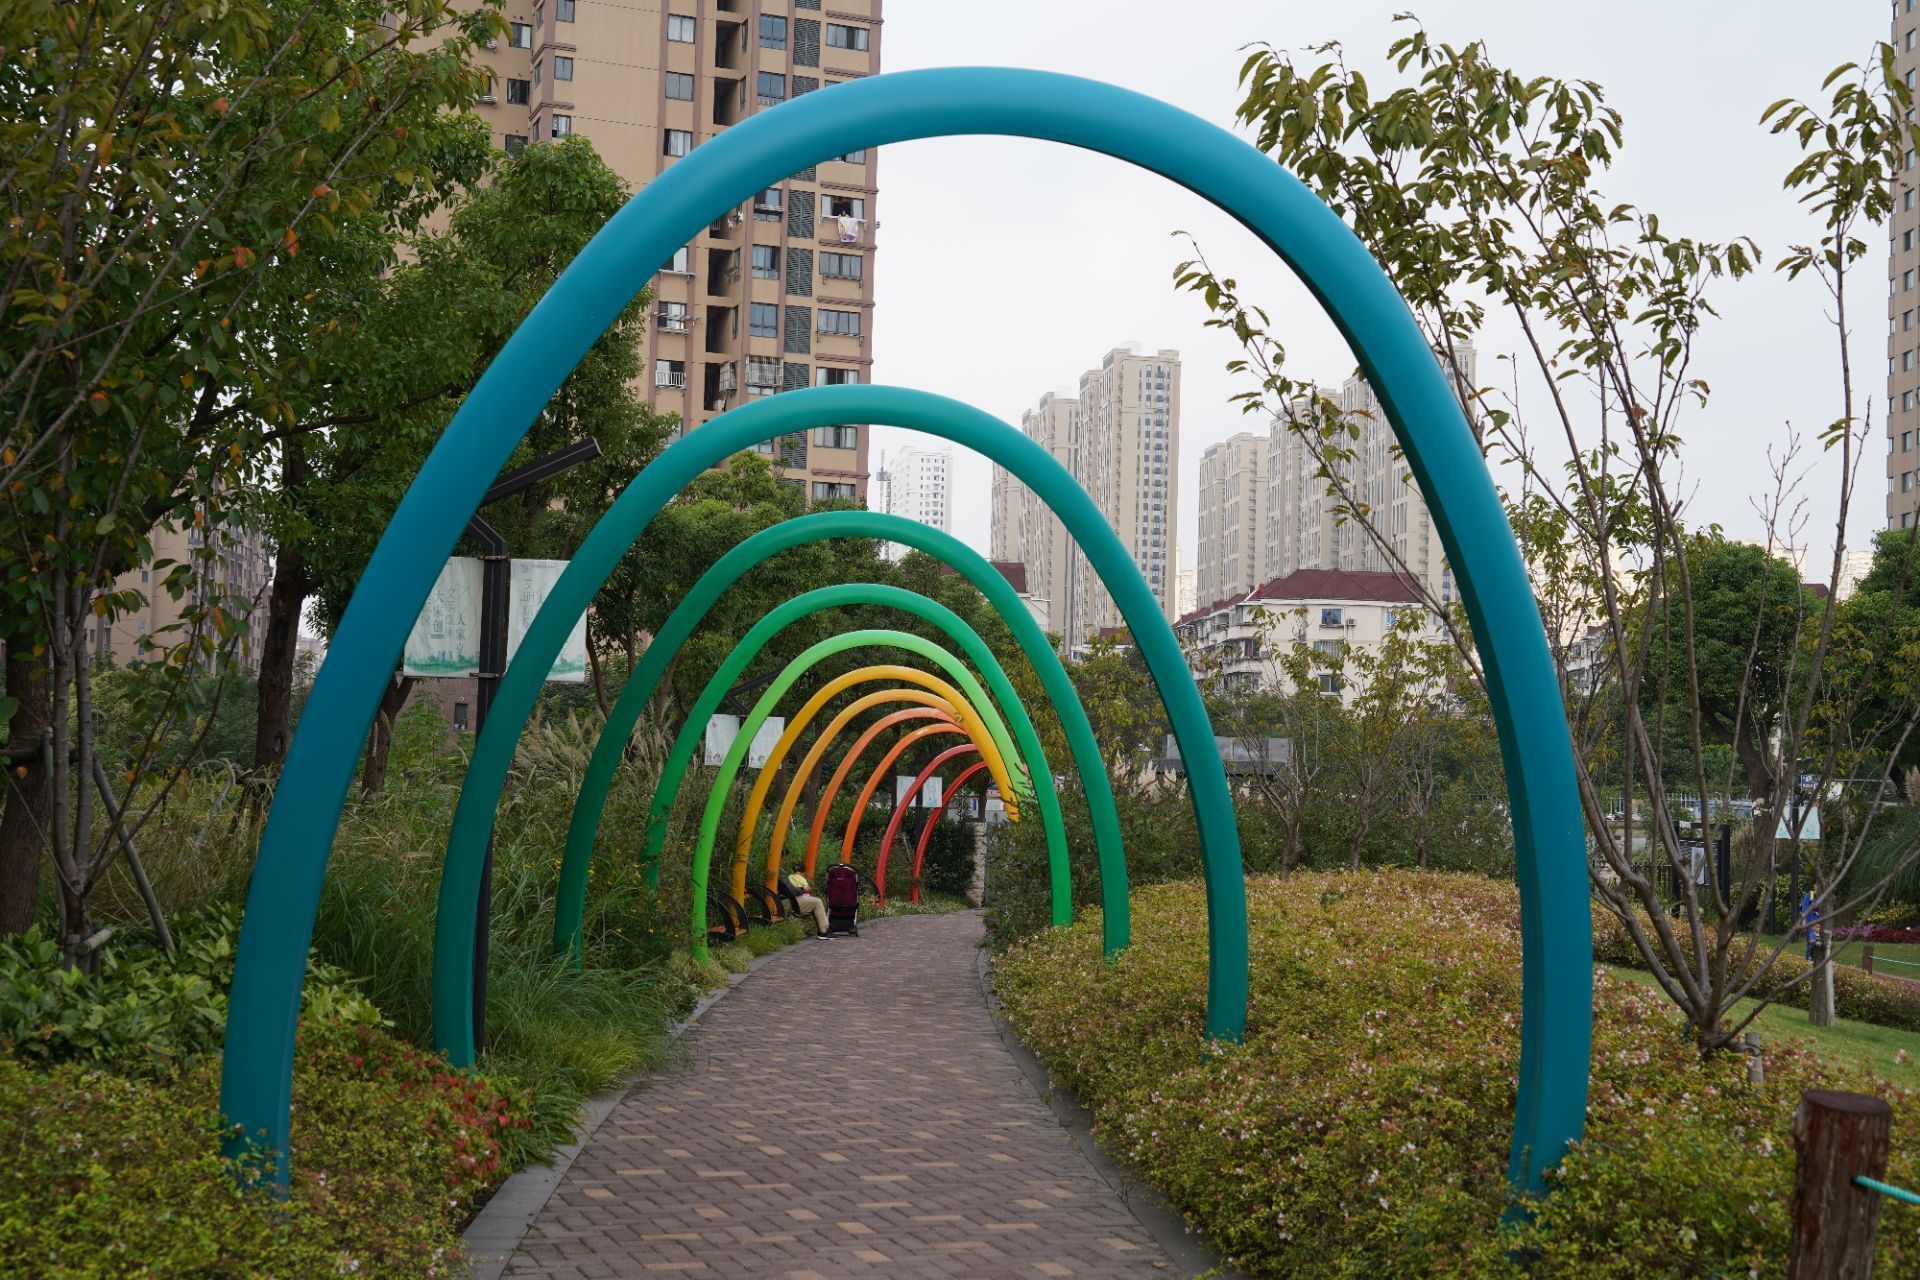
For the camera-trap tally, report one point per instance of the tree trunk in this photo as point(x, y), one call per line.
point(285, 602)
point(373, 776)
point(1820, 1010)
point(23, 823)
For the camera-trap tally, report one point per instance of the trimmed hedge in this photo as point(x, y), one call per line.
point(1362, 1128)
point(1857, 994)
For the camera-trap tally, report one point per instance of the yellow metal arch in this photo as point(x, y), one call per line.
point(947, 695)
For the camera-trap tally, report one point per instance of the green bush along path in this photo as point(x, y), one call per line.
point(1358, 1131)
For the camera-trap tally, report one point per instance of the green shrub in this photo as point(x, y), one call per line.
point(1362, 1129)
point(104, 1175)
point(144, 1012)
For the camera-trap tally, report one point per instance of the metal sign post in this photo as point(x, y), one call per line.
point(493, 663)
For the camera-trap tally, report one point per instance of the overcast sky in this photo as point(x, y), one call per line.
point(1007, 267)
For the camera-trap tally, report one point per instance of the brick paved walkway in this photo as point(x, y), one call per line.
point(886, 1132)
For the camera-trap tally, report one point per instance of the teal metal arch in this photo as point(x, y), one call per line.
point(647, 672)
point(770, 697)
point(1441, 454)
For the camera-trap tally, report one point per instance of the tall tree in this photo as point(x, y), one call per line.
point(166, 164)
point(1478, 189)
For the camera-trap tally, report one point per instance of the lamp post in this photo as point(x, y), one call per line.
point(493, 661)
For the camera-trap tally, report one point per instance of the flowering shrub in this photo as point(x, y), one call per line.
point(1362, 1129)
point(105, 1174)
point(1875, 933)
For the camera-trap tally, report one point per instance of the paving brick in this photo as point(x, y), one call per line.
point(743, 1162)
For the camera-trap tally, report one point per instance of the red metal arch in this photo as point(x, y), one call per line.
point(900, 813)
point(926, 832)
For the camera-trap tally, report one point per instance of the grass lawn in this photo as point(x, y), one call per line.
point(1848, 953)
point(1874, 1047)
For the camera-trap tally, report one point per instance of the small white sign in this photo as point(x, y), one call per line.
point(929, 797)
point(1809, 824)
point(761, 749)
point(721, 731)
point(445, 640)
point(528, 584)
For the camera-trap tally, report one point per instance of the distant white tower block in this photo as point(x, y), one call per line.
point(922, 489)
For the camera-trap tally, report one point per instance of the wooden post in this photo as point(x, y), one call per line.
point(1866, 956)
point(1837, 1137)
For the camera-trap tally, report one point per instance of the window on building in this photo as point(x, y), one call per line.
point(773, 31)
point(682, 261)
point(766, 205)
point(460, 716)
point(846, 323)
point(841, 266)
point(562, 68)
point(763, 376)
point(536, 74)
point(678, 142)
point(1906, 446)
point(539, 16)
point(855, 157)
point(1332, 617)
point(772, 88)
point(836, 437)
point(841, 36)
point(827, 491)
point(679, 86)
point(1906, 482)
point(516, 143)
point(1906, 401)
point(562, 126)
point(826, 377)
point(563, 10)
point(517, 92)
point(845, 207)
point(520, 35)
point(766, 262)
point(679, 29)
point(669, 373)
point(763, 320)
point(671, 317)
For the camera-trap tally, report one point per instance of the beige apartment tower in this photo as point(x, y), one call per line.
point(1120, 437)
point(1306, 527)
point(1232, 555)
point(776, 294)
point(1903, 306)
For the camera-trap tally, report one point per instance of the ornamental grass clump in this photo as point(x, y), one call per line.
point(1362, 1128)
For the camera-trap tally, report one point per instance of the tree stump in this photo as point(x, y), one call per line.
point(1836, 1138)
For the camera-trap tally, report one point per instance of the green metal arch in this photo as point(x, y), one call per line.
point(647, 672)
point(1441, 453)
point(789, 675)
point(971, 644)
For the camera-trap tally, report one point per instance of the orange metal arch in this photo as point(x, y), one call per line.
point(900, 813)
point(906, 675)
point(933, 820)
point(763, 782)
point(873, 784)
point(860, 744)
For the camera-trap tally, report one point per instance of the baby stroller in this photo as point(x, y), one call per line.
point(843, 900)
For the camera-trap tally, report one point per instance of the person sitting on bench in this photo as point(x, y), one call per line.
point(795, 889)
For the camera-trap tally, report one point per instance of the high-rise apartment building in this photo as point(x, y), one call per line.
point(1903, 304)
point(231, 567)
point(1120, 437)
point(777, 293)
point(1306, 525)
point(1232, 555)
point(920, 487)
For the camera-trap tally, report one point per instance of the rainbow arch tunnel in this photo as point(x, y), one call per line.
point(639, 690)
point(1440, 451)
